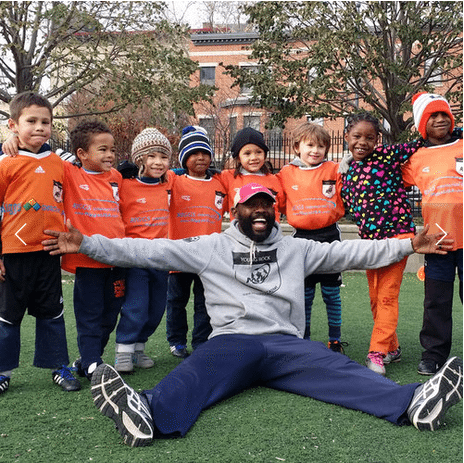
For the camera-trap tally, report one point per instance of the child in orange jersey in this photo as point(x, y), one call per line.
point(91, 202)
point(437, 171)
point(31, 187)
point(145, 212)
point(197, 206)
point(249, 151)
point(312, 187)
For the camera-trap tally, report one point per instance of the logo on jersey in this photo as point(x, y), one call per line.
point(186, 197)
point(58, 191)
point(459, 166)
point(262, 273)
point(295, 187)
point(426, 170)
point(191, 239)
point(115, 188)
point(219, 199)
point(328, 188)
point(39, 170)
point(84, 187)
point(141, 200)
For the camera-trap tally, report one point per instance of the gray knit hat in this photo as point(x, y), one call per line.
point(148, 141)
point(194, 138)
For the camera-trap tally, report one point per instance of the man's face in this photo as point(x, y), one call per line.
point(256, 217)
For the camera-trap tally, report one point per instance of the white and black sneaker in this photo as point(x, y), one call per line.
point(432, 399)
point(118, 401)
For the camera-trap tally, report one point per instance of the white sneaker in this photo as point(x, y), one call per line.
point(432, 399)
point(123, 362)
point(142, 360)
point(128, 409)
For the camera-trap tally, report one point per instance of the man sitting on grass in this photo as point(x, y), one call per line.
point(253, 278)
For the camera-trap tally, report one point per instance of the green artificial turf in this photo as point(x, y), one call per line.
point(41, 423)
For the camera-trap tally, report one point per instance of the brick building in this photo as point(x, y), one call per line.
point(231, 109)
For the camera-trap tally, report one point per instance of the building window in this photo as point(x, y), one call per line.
point(232, 126)
point(435, 77)
point(208, 124)
point(208, 75)
point(252, 121)
point(247, 89)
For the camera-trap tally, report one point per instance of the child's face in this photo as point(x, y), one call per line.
point(197, 164)
point(252, 157)
point(438, 127)
point(362, 139)
point(155, 164)
point(101, 154)
point(311, 151)
point(33, 127)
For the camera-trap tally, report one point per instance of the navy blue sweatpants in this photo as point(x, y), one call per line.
point(226, 365)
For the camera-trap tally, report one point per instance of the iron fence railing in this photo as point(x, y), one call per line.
point(280, 153)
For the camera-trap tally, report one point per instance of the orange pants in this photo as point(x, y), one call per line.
point(384, 289)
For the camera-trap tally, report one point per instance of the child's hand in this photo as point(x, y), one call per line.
point(10, 146)
point(431, 244)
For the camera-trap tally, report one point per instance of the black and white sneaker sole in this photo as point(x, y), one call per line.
point(118, 401)
point(437, 395)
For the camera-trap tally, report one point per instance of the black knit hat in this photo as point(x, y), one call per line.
point(245, 137)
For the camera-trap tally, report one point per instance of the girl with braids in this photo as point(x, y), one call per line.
point(375, 195)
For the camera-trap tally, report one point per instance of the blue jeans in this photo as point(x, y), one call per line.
point(144, 305)
point(97, 303)
point(179, 284)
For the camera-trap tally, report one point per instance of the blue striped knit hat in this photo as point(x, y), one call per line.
point(194, 138)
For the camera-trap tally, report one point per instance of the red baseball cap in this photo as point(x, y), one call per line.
point(249, 190)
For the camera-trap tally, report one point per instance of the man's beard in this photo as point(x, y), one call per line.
point(246, 226)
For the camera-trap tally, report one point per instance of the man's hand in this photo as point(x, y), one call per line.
point(11, 145)
point(63, 242)
point(427, 244)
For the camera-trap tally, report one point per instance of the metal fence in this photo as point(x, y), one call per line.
point(280, 153)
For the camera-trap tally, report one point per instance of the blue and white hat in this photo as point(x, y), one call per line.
point(194, 138)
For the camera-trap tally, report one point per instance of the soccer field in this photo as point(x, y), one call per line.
point(41, 423)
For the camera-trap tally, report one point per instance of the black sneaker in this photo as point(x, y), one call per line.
point(4, 383)
point(432, 399)
point(77, 367)
point(427, 367)
point(179, 351)
point(128, 409)
point(337, 346)
point(64, 378)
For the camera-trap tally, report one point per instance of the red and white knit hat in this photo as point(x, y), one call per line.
point(424, 105)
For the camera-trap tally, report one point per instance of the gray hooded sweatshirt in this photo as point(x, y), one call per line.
point(250, 288)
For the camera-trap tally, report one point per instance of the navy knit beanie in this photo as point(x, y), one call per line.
point(194, 139)
point(245, 137)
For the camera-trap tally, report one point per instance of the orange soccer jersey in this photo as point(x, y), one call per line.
point(31, 187)
point(437, 172)
point(145, 207)
point(197, 206)
point(233, 184)
point(91, 201)
point(312, 195)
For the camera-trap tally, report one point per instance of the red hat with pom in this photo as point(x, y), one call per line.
point(424, 105)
